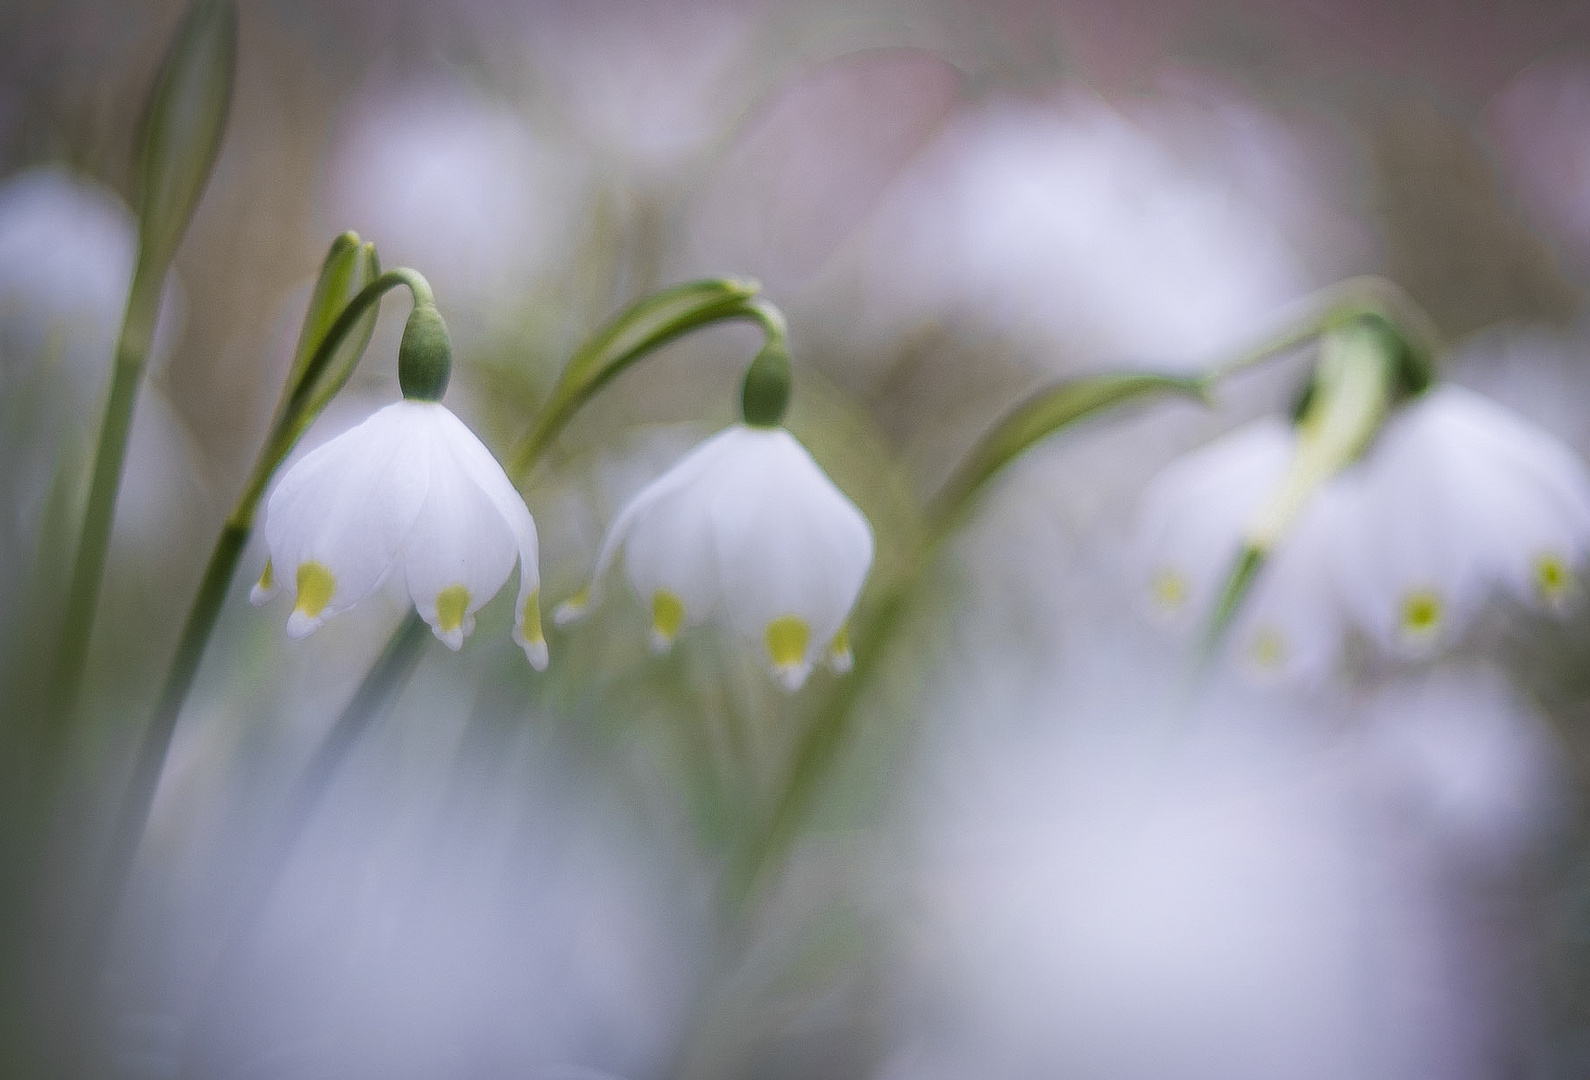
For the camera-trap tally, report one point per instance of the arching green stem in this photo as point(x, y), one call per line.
point(641, 329)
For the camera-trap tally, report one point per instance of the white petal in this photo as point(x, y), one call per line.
point(1291, 627)
point(788, 542)
point(663, 533)
point(487, 474)
point(1460, 496)
point(347, 506)
point(459, 539)
point(1194, 511)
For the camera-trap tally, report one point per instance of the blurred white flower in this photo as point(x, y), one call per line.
point(1194, 510)
point(1067, 221)
point(645, 85)
point(67, 250)
point(1540, 123)
point(67, 247)
point(1194, 516)
point(1455, 756)
point(411, 488)
point(747, 521)
point(454, 186)
point(1457, 497)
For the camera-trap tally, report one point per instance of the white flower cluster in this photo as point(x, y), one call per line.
point(1457, 498)
point(747, 522)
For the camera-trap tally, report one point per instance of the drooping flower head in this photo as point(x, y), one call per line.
point(410, 490)
point(1460, 497)
point(1456, 499)
point(1190, 535)
point(749, 524)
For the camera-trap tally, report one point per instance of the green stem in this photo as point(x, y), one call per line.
point(567, 398)
point(1344, 302)
point(88, 571)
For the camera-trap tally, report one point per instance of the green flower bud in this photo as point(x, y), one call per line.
point(349, 266)
point(765, 397)
point(425, 355)
point(183, 123)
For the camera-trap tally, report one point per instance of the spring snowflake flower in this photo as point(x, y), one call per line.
point(409, 489)
point(1460, 496)
point(1195, 514)
point(747, 521)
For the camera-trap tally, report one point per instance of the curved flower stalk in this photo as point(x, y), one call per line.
point(747, 523)
point(409, 490)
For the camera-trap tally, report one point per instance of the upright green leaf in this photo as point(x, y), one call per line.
point(183, 124)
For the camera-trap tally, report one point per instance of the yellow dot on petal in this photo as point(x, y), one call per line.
point(840, 646)
point(1169, 589)
point(316, 586)
point(667, 614)
point(530, 618)
point(1268, 649)
point(452, 604)
point(787, 638)
point(267, 577)
point(1421, 613)
point(1552, 579)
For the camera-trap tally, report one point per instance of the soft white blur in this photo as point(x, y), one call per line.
point(1047, 847)
point(1160, 232)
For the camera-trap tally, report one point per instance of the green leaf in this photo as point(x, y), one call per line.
point(643, 327)
point(1049, 410)
point(184, 120)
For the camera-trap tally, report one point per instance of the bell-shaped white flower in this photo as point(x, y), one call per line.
point(1191, 533)
point(411, 489)
point(748, 522)
point(1193, 514)
point(1457, 497)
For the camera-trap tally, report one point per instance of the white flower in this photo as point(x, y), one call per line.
point(410, 489)
point(1070, 221)
point(442, 179)
point(749, 522)
point(1195, 515)
point(1456, 497)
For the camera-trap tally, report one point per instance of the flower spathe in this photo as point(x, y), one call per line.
point(749, 523)
point(411, 489)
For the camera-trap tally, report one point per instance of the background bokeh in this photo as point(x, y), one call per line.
point(1029, 861)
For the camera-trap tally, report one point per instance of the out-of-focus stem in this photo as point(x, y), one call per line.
point(88, 570)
